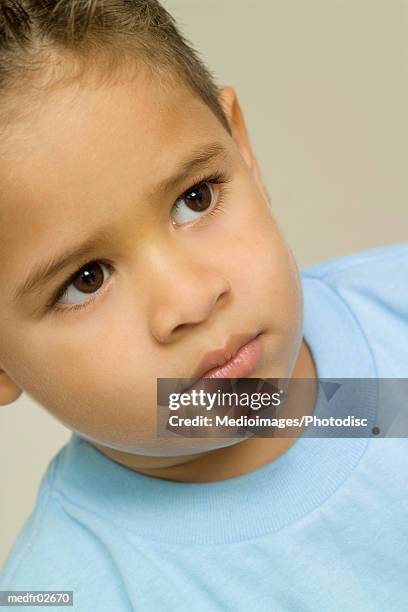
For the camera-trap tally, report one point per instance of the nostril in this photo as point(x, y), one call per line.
point(178, 327)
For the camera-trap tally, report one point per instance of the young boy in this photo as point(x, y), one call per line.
point(137, 237)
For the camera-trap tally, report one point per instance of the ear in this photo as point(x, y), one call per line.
point(9, 391)
point(228, 100)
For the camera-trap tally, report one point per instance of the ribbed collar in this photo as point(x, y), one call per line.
point(260, 502)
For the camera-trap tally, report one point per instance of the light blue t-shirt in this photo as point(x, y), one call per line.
point(322, 528)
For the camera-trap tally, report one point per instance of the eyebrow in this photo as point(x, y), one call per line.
point(50, 268)
point(199, 158)
point(44, 272)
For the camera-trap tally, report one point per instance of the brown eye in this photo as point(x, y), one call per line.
point(89, 279)
point(196, 200)
point(199, 198)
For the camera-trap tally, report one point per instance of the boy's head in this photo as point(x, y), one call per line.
point(135, 231)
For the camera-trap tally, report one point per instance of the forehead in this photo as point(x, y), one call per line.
point(78, 128)
point(84, 148)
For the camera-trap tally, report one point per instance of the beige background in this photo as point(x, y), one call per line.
point(324, 89)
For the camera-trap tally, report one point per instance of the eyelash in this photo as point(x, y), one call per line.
point(53, 304)
point(218, 178)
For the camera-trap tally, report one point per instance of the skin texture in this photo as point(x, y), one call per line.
point(89, 157)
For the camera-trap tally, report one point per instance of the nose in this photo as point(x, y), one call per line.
point(185, 294)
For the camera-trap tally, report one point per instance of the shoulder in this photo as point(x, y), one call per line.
point(55, 552)
point(48, 544)
point(373, 284)
point(390, 258)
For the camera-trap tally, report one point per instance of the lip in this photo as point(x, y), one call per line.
point(238, 358)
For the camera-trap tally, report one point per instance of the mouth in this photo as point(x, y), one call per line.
point(237, 359)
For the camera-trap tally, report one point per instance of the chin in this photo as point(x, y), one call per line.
point(170, 447)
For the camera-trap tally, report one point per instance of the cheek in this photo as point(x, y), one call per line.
point(261, 267)
point(268, 283)
point(94, 378)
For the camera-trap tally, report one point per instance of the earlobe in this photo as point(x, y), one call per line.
point(9, 391)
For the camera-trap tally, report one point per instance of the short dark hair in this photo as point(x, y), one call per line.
point(34, 31)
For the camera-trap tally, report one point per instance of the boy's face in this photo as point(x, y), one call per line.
point(167, 284)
